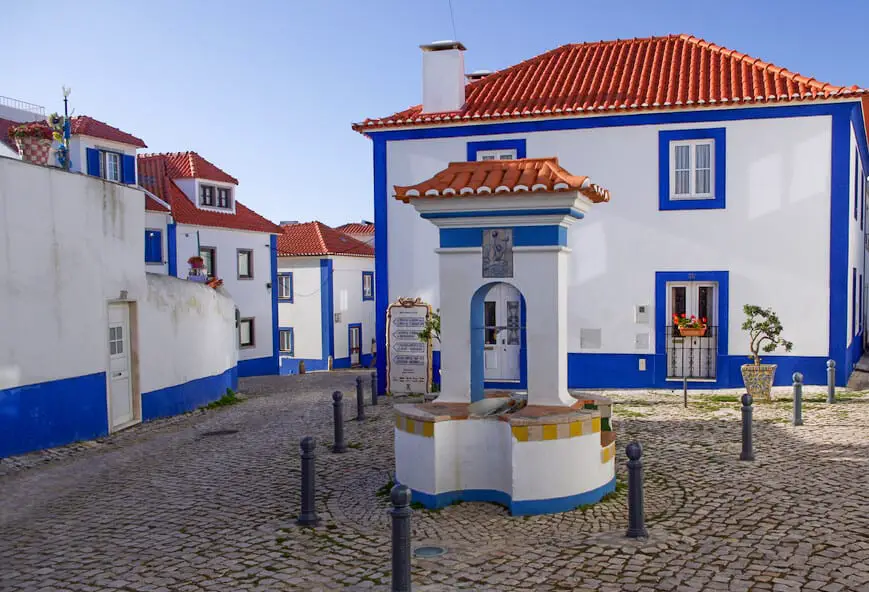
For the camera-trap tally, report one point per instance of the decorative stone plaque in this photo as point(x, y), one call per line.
point(498, 253)
point(408, 365)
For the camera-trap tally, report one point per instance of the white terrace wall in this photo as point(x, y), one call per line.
point(347, 297)
point(69, 246)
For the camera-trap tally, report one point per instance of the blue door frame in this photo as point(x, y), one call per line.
point(350, 328)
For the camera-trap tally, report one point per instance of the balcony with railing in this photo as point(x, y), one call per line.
point(21, 111)
point(692, 357)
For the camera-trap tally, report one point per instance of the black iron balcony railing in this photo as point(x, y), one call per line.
point(692, 356)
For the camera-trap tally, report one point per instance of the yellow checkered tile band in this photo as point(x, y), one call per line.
point(607, 453)
point(556, 431)
point(414, 426)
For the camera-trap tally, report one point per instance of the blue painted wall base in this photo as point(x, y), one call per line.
point(518, 508)
point(188, 396)
point(258, 366)
point(53, 413)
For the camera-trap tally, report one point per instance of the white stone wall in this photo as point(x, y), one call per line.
point(304, 313)
point(347, 294)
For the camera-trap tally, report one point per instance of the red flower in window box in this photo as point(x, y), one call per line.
point(690, 326)
point(196, 262)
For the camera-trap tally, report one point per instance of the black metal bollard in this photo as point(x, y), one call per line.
point(831, 381)
point(374, 388)
point(360, 401)
point(308, 515)
point(798, 399)
point(338, 414)
point(747, 448)
point(636, 517)
point(400, 512)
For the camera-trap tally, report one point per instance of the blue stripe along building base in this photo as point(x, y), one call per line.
point(53, 413)
point(187, 396)
point(516, 508)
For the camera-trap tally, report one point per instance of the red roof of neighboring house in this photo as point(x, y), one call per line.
point(676, 71)
point(5, 124)
point(189, 165)
point(497, 177)
point(88, 126)
point(356, 228)
point(315, 238)
point(157, 173)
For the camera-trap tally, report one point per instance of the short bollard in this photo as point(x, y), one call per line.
point(685, 393)
point(636, 517)
point(338, 414)
point(831, 381)
point(374, 388)
point(798, 399)
point(308, 515)
point(360, 401)
point(400, 512)
point(747, 448)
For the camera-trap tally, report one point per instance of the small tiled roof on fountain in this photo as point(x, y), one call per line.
point(499, 177)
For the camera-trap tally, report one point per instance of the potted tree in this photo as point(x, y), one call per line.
point(34, 141)
point(764, 330)
point(197, 269)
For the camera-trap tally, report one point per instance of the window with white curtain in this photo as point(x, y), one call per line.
point(509, 154)
point(692, 169)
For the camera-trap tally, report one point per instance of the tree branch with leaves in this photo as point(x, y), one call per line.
point(764, 330)
point(432, 329)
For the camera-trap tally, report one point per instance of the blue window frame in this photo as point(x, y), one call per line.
point(287, 341)
point(153, 246)
point(853, 301)
point(692, 169)
point(285, 286)
point(367, 285)
point(496, 145)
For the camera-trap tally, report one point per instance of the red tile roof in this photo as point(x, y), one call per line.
point(315, 238)
point(5, 124)
point(497, 177)
point(356, 228)
point(189, 165)
point(157, 173)
point(676, 71)
point(88, 126)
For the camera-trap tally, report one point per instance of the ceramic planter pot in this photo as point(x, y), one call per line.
point(692, 331)
point(33, 149)
point(758, 379)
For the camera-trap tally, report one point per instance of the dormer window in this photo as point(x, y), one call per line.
point(215, 197)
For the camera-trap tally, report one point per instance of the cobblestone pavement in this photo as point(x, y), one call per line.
point(165, 506)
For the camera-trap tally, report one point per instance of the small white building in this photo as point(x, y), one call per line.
point(193, 210)
point(325, 298)
point(733, 182)
point(362, 231)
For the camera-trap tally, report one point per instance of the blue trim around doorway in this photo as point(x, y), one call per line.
point(350, 353)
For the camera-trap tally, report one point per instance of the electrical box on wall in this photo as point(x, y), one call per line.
point(641, 314)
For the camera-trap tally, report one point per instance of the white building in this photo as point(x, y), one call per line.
point(325, 298)
point(733, 182)
point(193, 210)
point(89, 342)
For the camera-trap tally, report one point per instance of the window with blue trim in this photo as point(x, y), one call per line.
point(153, 246)
point(287, 341)
point(285, 286)
point(691, 169)
point(496, 150)
point(367, 285)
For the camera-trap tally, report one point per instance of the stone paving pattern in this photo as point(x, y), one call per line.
point(164, 506)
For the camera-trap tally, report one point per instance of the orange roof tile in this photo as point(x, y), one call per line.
point(88, 126)
point(496, 177)
point(156, 174)
point(356, 228)
point(315, 238)
point(676, 71)
point(189, 165)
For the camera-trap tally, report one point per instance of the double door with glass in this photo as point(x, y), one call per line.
point(689, 354)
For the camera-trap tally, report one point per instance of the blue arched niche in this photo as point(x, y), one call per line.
point(478, 337)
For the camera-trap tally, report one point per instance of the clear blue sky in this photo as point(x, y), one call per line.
point(268, 90)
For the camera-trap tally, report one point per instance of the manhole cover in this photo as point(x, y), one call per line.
point(219, 433)
point(429, 551)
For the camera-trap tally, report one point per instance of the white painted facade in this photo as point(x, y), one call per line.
point(89, 342)
point(78, 145)
point(773, 237)
point(253, 296)
point(306, 317)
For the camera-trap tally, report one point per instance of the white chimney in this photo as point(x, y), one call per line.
point(443, 76)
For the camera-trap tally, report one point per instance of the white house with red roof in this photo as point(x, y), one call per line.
point(733, 181)
point(193, 210)
point(325, 298)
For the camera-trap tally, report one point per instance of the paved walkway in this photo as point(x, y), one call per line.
point(166, 506)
